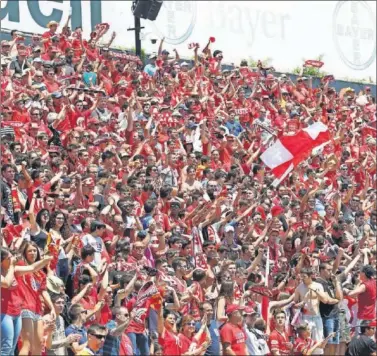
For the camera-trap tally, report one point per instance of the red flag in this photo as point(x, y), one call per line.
point(368, 131)
point(289, 151)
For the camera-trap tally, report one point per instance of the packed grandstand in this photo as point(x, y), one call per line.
point(181, 208)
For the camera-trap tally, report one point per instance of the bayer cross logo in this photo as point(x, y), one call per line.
point(175, 21)
point(354, 33)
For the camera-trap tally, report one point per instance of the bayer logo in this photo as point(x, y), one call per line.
point(354, 33)
point(175, 21)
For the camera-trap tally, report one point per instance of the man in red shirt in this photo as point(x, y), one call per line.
point(366, 292)
point(232, 336)
point(279, 342)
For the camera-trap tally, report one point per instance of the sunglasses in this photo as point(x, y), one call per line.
point(192, 323)
point(100, 337)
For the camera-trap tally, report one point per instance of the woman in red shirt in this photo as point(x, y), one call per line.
point(187, 338)
point(167, 332)
point(12, 298)
point(32, 287)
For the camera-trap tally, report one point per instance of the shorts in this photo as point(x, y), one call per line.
point(345, 328)
point(331, 325)
point(316, 326)
point(28, 314)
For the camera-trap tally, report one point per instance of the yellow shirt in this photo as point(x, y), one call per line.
point(85, 352)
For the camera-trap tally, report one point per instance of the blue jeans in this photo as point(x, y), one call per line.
point(10, 331)
point(331, 325)
point(140, 344)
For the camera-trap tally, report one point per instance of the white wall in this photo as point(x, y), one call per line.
point(287, 31)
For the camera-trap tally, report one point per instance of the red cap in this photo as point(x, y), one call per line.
point(232, 308)
point(276, 211)
point(249, 310)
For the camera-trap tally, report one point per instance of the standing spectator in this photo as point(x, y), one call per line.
point(78, 315)
point(96, 338)
point(9, 193)
point(363, 344)
point(121, 319)
point(233, 337)
point(330, 312)
point(33, 288)
point(279, 342)
point(57, 342)
point(366, 293)
point(255, 329)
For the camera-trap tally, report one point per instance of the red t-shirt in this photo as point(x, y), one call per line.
point(170, 343)
point(125, 346)
point(235, 336)
point(279, 341)
point(184, 343)
point(88, 303)
point(367, 301)
point(11, 299)
point(31, 287)
point(302, 345)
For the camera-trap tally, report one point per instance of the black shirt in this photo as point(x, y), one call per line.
point(361, 345)
point(328, 310)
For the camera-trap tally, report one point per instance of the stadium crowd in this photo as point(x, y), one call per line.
point(139, 219)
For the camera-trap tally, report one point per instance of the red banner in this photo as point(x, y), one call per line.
point(314, 63)
point(129, 57)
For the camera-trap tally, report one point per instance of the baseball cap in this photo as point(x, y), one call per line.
point(249, 310)
point(37, 48)
point(229, 228)
point(5, 43)
point(183, 64)
point(232, 308)
point(57, 94)
point(37, 60)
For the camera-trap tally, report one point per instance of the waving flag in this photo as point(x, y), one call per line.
point(289, 151)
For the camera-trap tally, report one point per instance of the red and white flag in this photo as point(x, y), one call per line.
point(289, 151)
